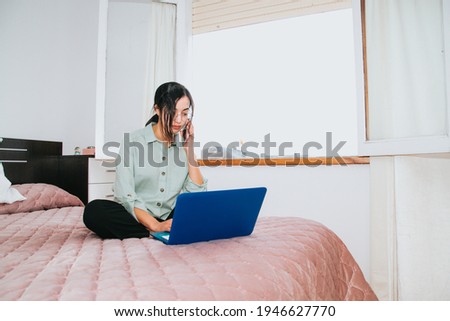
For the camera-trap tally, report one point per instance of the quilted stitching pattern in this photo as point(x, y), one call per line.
point(40, 197)
point(50, 255)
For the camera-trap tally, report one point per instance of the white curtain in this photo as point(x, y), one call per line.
point(405, 68)
point(410, 227)
point(161, 53)
point(383, 244)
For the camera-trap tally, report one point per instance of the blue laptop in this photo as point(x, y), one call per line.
point(212, 215)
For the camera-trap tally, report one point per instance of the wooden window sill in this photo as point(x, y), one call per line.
point(311, 161)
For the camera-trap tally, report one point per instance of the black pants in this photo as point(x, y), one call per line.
point(110, 220)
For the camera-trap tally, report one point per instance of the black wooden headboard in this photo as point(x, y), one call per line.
point(30, 161)
point(36, 161)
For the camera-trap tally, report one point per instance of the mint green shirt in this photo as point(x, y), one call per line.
point(150, 175)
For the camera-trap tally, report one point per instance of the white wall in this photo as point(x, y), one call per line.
point(48, 52)
point(336, 196)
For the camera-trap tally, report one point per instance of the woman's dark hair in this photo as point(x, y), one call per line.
point(166, 98)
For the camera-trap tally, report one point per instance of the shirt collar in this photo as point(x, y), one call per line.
point(151, 138)
point(149, 134)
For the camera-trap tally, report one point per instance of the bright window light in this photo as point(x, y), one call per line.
point(293, 79)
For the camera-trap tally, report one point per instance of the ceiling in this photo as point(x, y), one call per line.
point(212, 15)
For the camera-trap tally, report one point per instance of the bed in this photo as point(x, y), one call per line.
point(46, 253)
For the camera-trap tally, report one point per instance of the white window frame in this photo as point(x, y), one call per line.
point(410, 145)
point(183, 54)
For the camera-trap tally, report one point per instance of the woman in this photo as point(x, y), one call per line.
point(155, 165)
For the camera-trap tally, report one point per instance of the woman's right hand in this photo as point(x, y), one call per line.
point(163, 226)
point(151, 223)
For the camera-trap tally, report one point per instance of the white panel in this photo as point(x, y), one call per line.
point(423, 226)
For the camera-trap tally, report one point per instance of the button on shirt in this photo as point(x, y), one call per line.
point(150, 175)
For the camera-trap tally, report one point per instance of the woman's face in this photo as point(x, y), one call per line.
point(182, 114)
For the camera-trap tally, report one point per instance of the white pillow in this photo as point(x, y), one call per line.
point(8, 194)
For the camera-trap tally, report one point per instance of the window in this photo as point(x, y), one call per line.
point(292, 79)
point(403, 76)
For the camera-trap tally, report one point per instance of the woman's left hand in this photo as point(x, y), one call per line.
point(194, 172)
point(189, 134)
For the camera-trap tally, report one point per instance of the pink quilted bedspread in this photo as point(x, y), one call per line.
point(50, 255)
